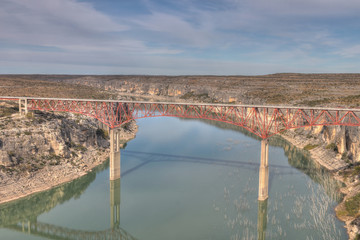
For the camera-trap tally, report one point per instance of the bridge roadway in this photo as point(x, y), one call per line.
point(264, 121)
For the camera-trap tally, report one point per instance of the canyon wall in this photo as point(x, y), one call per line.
point(344, 141)
point(31, 143)
point(180, 88)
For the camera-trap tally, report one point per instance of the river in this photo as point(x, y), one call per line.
point(186, 179)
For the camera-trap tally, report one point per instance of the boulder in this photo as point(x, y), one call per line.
point(5, 159)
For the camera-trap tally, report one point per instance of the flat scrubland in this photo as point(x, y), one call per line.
point(35, 86)
point(284, 88)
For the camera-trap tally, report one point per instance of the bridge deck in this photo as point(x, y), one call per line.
point(187, 103)
point(262, 120)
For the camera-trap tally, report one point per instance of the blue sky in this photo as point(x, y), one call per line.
point(179, 37)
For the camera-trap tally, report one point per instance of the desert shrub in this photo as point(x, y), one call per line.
point(102, 133)
point(352, 205)
point(332, 146)
point(310, 147)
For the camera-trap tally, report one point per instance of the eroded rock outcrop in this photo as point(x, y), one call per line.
point(47, 138)
point(343, 140)
point(42, 151)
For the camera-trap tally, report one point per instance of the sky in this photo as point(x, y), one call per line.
point(179, 37)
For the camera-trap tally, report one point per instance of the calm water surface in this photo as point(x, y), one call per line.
point(184, 179)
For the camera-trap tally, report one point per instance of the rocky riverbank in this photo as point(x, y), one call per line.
point(329, 150)
point(40, 151)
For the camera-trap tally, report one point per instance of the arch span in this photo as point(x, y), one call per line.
point(262, 120)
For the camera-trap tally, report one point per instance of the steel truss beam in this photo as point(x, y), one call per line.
point(263, 121)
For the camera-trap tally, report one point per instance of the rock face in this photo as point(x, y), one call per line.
point(32, 143)
point(38, 153)
point(5, 159)
point(180, 88)
point(343, 140)
point(29, 144)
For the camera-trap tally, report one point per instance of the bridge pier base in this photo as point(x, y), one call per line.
point(23, 106)
point(264, 171)
point(115, 169)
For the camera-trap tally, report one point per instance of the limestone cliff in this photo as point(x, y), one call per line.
point(40, 151)
point(47, 139)
point(343, 141)
point(285, 88)
point(177, 88)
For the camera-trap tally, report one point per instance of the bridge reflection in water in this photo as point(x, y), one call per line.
point(45, 230)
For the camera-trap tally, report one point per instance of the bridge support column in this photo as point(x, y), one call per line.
point(115, 203)
point(115, 162)
point(264, 171)
point(23, 108)
point(262, 219)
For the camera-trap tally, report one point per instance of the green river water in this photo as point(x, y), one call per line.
point(186, 179)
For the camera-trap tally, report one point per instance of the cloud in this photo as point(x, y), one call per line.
point(66, 25)
point(173, 30)
point(53, 23)
point(248, 24)
point(307, 8)
point(127, 63)
point(296, 9)
point(180, 37)
point(349, 51)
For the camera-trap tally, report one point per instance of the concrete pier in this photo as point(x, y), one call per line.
point(264, 171)
point(23, 108)
point(115, 174)
point(115, 203)
point(115, 169)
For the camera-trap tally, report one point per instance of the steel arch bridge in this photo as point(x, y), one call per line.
point(264, 121)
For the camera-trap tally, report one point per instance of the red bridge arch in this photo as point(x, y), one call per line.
point(264, 121)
